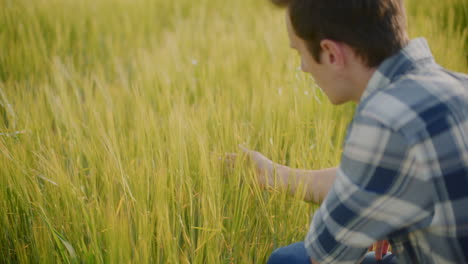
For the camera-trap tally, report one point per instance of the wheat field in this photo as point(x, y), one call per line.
point(114, 113)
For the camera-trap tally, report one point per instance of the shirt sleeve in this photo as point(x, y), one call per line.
point(376, 192)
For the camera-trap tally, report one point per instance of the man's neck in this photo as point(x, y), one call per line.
point(362, 81)
point(357, 73)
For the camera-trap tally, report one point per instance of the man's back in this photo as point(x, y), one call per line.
point(404, 170)
point(429, 107)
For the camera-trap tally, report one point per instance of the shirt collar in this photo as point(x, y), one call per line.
point(415, 54)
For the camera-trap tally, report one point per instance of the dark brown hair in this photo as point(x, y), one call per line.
point(375, 29)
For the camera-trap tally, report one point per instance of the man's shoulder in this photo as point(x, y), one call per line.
point(406, 102)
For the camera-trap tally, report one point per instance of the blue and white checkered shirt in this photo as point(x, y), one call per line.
point(404, 170)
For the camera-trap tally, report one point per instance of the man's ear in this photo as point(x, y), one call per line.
point(332, 53)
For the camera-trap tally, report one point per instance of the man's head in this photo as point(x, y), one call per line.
point(374, 29)
point(341, 42)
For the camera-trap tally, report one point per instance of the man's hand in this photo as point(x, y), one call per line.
point(380, 249)
point(264, 167)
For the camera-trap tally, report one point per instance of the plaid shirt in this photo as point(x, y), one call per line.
point(404, 170)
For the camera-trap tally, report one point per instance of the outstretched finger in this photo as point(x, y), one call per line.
point(230, 158)
point(227, 159)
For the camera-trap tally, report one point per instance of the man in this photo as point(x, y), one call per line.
point(403, 175)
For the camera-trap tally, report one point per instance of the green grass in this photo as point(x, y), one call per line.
point(113, 113)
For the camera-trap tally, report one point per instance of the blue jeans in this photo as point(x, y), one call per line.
point(296, 254)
